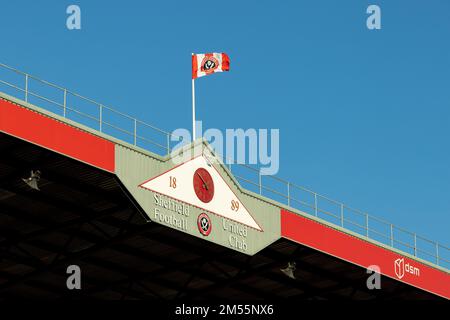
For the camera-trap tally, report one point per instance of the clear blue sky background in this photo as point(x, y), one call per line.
point(364, 115)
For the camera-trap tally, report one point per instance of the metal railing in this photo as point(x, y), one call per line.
point(107, 120)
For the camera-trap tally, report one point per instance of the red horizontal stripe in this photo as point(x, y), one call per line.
point(57, 136)
point(363, 253)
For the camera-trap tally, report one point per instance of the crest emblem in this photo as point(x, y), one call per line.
point(209, 64)
point(204, 224)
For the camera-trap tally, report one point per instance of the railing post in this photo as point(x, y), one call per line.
point(260, 182)
point(392, 235)
point(289, 193)
point(135, 131)
point(168, 143)
point(315, 204)
point(415, 244)
point(342, 215)
point(26, 87)
point(437, 253)
point(101, 117)
point(65, 103)
point(367, 225)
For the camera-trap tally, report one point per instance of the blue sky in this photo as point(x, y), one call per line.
point(364, 116)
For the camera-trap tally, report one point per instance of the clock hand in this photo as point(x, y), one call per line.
point(204, 183)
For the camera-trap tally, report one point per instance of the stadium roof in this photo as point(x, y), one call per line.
point(90, 212)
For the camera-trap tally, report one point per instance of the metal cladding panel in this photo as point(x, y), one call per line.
point(256, 223)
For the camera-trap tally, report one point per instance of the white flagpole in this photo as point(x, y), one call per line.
point(193, 109)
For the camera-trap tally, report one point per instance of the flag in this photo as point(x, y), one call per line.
point(207, 63)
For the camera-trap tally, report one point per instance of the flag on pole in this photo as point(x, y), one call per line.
point(207, 63)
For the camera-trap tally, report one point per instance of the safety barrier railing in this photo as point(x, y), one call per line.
point(102, 118)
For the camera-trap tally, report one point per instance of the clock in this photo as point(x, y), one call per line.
point(203, 185)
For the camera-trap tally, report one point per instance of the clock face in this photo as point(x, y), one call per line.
point(203, 185)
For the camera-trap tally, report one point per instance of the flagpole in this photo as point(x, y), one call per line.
point(193, 109)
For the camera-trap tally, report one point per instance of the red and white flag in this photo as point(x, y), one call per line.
point(207, 63)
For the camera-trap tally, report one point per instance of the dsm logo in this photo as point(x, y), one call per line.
point(401, 267)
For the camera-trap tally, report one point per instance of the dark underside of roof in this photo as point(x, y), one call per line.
point(83, 216)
